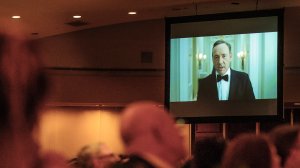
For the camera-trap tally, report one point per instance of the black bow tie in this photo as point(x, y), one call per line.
point(219, 78)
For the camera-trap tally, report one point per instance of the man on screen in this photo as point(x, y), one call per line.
point(224, 83)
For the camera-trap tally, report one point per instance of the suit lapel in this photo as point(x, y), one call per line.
point(233, 85)
point(214, 85)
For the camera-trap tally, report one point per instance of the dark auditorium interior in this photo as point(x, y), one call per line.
point(107, 58)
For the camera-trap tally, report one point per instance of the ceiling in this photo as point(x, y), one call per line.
point(43, 18)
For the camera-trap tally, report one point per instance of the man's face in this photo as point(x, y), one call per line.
point(221, 58)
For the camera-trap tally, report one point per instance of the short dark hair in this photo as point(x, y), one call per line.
point(222, 42)
point(208, 152)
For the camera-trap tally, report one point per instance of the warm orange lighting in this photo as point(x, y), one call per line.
point(16, 17)
point(76, 16)
point(132, 13)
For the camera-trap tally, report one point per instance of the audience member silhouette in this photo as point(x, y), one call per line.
point(151, 137)
point(293, 161)
point(95, 156)
point(287, 141)
point(22, 90)
point(250, 151)
point(208, 152)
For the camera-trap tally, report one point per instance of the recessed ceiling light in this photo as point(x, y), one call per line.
point(16, 17)
point(132, 13)
point(76, 16)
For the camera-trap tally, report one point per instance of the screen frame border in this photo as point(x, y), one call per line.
point(224, 16)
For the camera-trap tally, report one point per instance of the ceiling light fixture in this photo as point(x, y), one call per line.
point(132, 13)
point(76, 16)
point(16, 17)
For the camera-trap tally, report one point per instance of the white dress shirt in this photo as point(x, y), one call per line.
point(223, 86)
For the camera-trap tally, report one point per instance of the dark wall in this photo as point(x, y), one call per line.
point(112, 64)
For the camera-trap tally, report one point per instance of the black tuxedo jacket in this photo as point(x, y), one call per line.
point(240, 87)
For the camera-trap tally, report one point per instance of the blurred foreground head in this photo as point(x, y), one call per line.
point(22, 89)
point(22, 81)
point(149, 132)
point(250, 151)
point(287, 141)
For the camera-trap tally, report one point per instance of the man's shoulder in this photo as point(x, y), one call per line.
point(206, 79)
point(239, 73)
